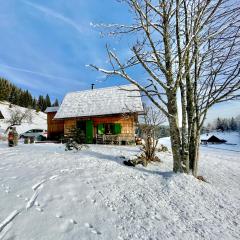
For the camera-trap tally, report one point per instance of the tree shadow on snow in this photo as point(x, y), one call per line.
point(119, 160)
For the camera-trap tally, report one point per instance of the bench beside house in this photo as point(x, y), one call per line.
point(101, 115)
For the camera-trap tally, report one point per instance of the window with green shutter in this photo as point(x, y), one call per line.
point(101, 129)
point(117, 128)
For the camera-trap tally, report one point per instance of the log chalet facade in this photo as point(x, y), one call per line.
point(101, 115)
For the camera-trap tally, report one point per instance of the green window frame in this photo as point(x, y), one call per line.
point(112, 128)
point(100, 129)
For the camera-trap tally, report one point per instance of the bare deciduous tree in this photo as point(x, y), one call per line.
point(190, 46)
point(17, 117)
point(152, 119)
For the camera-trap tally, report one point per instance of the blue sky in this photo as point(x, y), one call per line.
point(45, 46)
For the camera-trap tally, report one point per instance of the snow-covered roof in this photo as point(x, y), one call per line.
point(102, 101)
point(51, 109)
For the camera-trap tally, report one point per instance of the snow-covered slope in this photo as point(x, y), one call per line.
point(39, 119)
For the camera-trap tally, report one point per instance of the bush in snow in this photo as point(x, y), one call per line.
point(152, 119)
point(73, 145)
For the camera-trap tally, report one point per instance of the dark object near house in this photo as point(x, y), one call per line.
point(12, 137)
point(213, 140)
point(1, 115)
point(129, 163)
point(71, 145)
point(201, 178)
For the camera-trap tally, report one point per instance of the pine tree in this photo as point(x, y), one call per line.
point(34, 103)
point(219, 124)
point(5, 89)
point(56, 104)
point(14, 96)
point(233, 125)
point(48, 101)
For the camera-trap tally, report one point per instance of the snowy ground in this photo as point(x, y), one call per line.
point(47, 193)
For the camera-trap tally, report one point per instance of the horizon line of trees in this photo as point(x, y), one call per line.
point(223, 124)
point(15, 95)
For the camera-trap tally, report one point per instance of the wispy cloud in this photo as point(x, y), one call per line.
point(36, 73)
point(55, 15)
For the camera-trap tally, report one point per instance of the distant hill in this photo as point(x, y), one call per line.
point(39, 119)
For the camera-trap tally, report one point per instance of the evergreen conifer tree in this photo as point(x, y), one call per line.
point(56, 104)
point(48, 101)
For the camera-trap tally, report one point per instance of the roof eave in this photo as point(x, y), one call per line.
point(86, 116)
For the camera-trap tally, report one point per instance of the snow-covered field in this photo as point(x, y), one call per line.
point(47, 193)
point(39, 119)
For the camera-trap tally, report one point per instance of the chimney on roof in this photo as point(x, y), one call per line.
point(92, 86)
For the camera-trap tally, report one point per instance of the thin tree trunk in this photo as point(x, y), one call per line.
point(175, 134)
point(196, 154)
point(192, 144)
point(185, 153)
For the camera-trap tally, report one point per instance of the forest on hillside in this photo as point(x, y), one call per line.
point(15, 95)
point(223, 124)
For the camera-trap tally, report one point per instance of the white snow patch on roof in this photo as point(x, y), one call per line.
point(51, 109)
point(103, 101)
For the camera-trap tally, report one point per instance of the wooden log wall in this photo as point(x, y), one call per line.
point(127, 123)
point(55, 127)
point(68, 125)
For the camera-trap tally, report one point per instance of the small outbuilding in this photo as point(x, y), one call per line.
point(55, 128)
point(213, 140)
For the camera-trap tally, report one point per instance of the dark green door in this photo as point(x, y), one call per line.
point(89, 131)
point(81, 131)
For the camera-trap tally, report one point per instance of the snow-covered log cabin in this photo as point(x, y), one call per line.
point(101, 115)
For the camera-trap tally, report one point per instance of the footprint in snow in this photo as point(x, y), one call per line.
point(92, 229)
point(39, 209)
point(53, 177)
point(72, 221)
point(88, 225)
point(59, 215)
point(38, 185)
point(14, 177)
point(37, 203)
point(68, 225)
